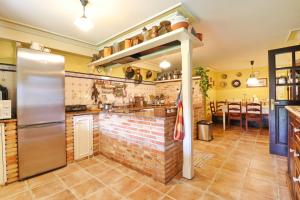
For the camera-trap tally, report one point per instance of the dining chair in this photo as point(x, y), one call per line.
point(216, 111)
point(234, 110)
point(212, 107)
point(254, 113)
point(219, 106)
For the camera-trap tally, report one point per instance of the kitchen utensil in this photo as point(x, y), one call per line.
point(148, 74)
point(136, 40)
point(236, 83)
point(199, 36)
point(138, 77)
point(106, 107)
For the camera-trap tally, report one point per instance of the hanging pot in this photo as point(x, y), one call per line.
point(148, 74)
point(138, 77)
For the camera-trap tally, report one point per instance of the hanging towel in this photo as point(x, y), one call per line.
point(179, 125)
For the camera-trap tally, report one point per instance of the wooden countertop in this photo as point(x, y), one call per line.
point(86, 112)
point(294, 109)
point(7, 120)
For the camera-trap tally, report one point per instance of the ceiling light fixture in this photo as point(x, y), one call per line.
point(164, 64)
point(252, 80)
point(83, 23)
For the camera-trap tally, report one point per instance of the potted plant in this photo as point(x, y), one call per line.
point(204, 80)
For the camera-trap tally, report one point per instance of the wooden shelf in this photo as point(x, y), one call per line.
point(161, 42)
point(174, 80)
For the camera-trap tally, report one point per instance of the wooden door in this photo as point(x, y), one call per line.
point(284, 83)
point(83, 136)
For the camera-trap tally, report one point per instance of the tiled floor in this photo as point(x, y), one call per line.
point(239, 167)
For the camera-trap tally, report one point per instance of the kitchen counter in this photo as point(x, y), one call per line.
point(294, 109)
point(7, 120)
point(85, 112)
point(142, 142)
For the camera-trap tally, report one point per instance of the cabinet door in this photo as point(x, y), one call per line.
point(83, 136)
point(2, 155)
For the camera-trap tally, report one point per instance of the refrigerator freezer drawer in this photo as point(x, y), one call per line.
point(41, 148)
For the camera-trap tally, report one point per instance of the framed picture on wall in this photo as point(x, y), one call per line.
point(262, 82)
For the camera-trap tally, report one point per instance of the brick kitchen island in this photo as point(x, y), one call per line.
point(142, 142)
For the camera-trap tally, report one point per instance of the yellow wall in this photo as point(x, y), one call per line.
point(7, 52)
point(73, 62)
point(241, 93)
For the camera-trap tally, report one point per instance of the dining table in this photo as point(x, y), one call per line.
point(265, 111)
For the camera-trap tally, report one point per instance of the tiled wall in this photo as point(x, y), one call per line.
point(78, 89)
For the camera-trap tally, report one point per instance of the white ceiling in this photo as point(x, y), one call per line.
point(235, 31)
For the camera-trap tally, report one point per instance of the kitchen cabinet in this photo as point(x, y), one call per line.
point(83, 136)
point(294, 155)
point(2, 155)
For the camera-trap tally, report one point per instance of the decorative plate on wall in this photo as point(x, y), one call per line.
point(236, 83)
point(224, 76)
point(223, 84)
point(239, 74)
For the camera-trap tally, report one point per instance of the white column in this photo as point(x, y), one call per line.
point(186, 54)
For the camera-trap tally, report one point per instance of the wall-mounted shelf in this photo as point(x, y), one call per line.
point(175, 80)
point(168, 40)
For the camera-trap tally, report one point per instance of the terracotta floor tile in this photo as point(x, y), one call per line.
point(145, 193)
point(208, 196)
point(225, 191)
point(42, 179)
point(123, 169)
point(63, 195)
point(75, 178)
point(11, 189)
point(232, 180)
point(207, 170)
point(184, 192)
point(47, 189)
point(104, 194)
point(199, 181)
point(110, 176)
point(166, 197)
point(21, 196)
point(67, 170)
point(87, 162)
point(160, 186)
point(250, 195)
point(97, 168)
point(125, 185)
point(259, 186)
point(85, 188)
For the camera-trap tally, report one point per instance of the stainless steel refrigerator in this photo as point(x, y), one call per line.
point(40, 112)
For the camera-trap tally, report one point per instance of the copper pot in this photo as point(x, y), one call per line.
point(180, 25)
point(128, 43)
point(107, 51)
point(154, 31)
point(199, 36)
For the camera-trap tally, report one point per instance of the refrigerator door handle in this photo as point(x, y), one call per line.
point(40, 125)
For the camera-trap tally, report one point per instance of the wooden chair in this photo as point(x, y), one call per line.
point(254, 113)
point(220, 104)
point(212, 108)
point(234, 110)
